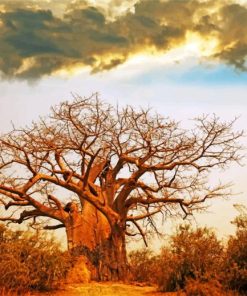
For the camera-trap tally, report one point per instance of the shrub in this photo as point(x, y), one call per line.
point(235, 264)
point(30, 261)
point(195, 287)
point(192, 254)
point(144, 266)
point(196, 262)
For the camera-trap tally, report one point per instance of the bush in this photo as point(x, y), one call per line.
point(205, 288)
point(30, 261)
point(196, 262)
point(194, 254)
point(235, 264)
point(144, 266)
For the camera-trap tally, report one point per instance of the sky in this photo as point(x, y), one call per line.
point(184, 58)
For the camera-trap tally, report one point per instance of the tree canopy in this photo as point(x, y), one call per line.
point(129, 164)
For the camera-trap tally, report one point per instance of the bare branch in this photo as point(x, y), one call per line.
point(53, 227)
point(141, 232)
point(129, 164)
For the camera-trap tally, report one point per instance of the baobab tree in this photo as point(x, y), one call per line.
point(123, 167)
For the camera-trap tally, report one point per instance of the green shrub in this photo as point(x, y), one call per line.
point(30, 261)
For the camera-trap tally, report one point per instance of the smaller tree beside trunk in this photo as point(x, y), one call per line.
point(105, 173)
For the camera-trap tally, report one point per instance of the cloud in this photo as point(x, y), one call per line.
point(35, 41)
point(233, 35)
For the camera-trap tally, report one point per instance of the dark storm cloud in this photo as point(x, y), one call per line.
point(35, 42)
point(233, 35)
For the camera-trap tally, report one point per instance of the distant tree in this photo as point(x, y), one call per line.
point(122, 166)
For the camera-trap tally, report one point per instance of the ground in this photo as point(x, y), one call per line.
point(105, 289)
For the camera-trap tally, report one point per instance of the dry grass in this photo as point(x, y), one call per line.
point(5, 292)
point(106, 289)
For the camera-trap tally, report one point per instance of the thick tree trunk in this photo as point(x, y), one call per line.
point(92, 241)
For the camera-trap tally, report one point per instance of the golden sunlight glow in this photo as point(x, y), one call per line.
point(101, 63)
point(114, 8)
point(194, 47)
point(72, 70)
point(2, 8)
point(199, 46)
point(27, 64)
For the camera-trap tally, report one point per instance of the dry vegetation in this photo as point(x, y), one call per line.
point(104, 289)
point(195, 263)
point(29, 262)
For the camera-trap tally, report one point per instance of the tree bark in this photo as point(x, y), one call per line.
point(92, 240)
